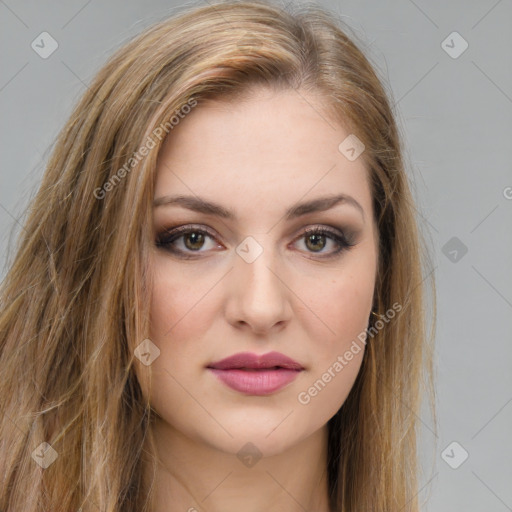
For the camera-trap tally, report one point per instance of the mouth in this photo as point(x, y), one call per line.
point(265, 369)
point(252, 374)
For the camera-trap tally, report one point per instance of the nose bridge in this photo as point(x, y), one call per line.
point(260, 298)
point(256, 263)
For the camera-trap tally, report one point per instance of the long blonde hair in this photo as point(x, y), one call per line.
point(74, 303)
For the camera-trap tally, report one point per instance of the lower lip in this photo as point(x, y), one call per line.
point(256, 382)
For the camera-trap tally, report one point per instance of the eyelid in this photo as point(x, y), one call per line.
point(178, 231)
point(342, 238)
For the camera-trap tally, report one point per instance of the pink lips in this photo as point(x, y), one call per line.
point(256, 375)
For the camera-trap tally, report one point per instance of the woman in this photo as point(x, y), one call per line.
point(217, 301)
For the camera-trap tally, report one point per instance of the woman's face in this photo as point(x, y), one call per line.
point(248, 277)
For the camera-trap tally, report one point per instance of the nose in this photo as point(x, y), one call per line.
point(259, 295)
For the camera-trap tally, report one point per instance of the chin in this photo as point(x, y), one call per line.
point(270, 433)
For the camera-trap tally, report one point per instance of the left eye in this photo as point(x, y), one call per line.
point(186, 240)
point(316, 239)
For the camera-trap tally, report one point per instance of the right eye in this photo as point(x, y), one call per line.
point(184, 241)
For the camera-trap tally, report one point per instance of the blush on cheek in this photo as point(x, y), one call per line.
point(171, 307)
point(344, 312)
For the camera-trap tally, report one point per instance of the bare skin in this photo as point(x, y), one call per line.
point(299, 297)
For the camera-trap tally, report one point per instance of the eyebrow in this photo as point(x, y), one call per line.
point(201, 205)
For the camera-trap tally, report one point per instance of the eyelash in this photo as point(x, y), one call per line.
point(165, 242)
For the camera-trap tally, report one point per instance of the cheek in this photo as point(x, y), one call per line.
point(344, 314)
point(178, 305)
point(170, 303)
point(178, 314)
point(338, 353)
point(341, 305)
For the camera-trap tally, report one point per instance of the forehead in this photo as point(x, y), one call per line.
point(269, 149)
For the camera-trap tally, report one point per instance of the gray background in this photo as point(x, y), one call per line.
point(455, 117)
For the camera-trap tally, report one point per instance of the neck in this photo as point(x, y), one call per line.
point(192, 476)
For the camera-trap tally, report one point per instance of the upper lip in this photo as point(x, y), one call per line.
point(250, 360)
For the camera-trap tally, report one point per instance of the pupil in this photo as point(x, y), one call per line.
point(197, 238)
point(317, 238)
